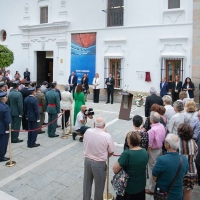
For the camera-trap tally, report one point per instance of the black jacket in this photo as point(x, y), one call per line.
point(190, 92)
point(150, 100)
point(112, 83)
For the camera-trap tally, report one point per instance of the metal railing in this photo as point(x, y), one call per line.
point(115, 17)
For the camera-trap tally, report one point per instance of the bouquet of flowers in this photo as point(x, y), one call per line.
point(140, 99)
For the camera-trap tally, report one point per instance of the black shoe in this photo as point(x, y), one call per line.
point(35, 145)
point(111, 102)
point(74, 135)
point(44, 123)
point(52, 136)
point(80, 139)
point(17, 141)
point(40, 132)
point(107, 102)
point(58, 126)
point(4, 159)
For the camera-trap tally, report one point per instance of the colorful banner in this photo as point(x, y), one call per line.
point(83, 55)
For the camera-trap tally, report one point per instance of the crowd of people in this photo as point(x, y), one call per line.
point(165, 146)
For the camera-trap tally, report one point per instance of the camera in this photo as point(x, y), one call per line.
point(89, 111)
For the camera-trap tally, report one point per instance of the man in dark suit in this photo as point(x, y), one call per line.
point(72, 82)
point(25, 93)
point(163, 87)
point(150, 100)
point(110, 88)
point(5, 120)
point(32, 113)
point(27, 75)
point(53, 109)
point(15, 101)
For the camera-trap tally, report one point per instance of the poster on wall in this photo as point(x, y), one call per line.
point(83, 55)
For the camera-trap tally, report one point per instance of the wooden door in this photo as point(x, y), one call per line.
point(51, 70)
point(41, 66)
point(115, 70)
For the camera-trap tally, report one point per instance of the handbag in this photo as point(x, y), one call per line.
point(163, 195)
point(119, 181)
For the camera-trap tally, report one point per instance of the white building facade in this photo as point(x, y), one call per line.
point(134, 40)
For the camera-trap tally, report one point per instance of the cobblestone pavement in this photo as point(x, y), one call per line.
point(54, 171)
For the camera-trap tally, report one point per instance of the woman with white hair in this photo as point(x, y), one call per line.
point(66, 104)
point(166, 168)
point(176, 119)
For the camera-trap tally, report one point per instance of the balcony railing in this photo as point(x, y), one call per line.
point(115, 17)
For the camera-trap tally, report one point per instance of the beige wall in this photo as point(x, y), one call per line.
point(196, 48)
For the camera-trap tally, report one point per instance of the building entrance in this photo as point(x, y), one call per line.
point(44, 66)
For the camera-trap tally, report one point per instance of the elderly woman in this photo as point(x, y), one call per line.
point(166, 167)
point(176, 119)
point(190, 111)
point(183, 97)
point(79, 100)
point(169, 110)
point(188, 148)
point(134, 162)
point(66, 104)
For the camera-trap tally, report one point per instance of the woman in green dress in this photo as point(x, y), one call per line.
point(79, 100)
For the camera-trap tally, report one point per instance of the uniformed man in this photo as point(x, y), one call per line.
point(53, 108)
point(32, 114)
point(24, 91)
point(15, 102)
point(42, 106)
point(5, 120)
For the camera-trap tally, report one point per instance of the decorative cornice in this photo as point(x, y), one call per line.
point(61, 44)
point(182, 38)
point(117, 41)
point(25, 45)
point(41, 27)
point(174, 10)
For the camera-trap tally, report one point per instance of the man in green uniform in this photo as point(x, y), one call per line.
point(53, 108)
point(42, 106)
point(15, 101)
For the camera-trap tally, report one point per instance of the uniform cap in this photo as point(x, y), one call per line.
point(31, 89)
point(16, 83)
point(2, 84)
point(38, 86)
point(27, 83)
point(3, 94)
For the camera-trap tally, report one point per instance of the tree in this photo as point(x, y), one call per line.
point(6, 57)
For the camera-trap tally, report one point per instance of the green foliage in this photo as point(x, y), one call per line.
point(6, 57)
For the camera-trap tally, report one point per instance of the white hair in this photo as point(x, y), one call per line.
point(167, 99)
point(155, 116)
point(173, 141)
point(99, 123)
point(153, 90)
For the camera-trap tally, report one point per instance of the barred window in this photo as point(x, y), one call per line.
point(43, 15)
point(173, 4)
point(115, 13)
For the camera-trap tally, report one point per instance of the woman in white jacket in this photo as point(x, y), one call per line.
point(66, 104)
point(96, 88)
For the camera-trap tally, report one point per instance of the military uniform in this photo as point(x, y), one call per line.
point(42, 107)
point(25, 93)
point(15, 102)
point(32, 113)
point(5, 120)
point(53, 108)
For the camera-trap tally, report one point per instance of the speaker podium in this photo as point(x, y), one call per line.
point(126, 105)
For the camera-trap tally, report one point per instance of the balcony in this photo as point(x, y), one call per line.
point(115, 17)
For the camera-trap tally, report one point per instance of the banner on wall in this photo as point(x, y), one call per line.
point(83, 55)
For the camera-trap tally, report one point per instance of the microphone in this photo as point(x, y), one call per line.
point(127, 88)
point(123, 88)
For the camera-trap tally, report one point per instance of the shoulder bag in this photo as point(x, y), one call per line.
point(163, 195)
point(119, 181)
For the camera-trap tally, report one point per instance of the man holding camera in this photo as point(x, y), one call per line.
point(81, 120)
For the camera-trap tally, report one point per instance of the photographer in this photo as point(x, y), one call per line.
point(81, 120)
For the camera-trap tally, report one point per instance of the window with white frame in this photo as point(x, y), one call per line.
point(173, 4)
point(43, 15)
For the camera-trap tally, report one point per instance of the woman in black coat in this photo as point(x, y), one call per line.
point(176, 88)
point(84, 82)
point(188, 87)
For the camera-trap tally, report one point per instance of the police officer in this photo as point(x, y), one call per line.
point(2, 84)
point(5, 120)
point(15, 101)
point(53, 108)
point(42, 106)
point(32, 113)
point(24, 91)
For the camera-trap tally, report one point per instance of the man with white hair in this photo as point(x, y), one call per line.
point(156, 137)
point(167, 166)
point(98, 146)
point(150, 100)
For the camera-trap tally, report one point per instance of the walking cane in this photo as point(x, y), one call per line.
point(70, 130)
point(10, 163)
point(64, 136)
point(107, 195)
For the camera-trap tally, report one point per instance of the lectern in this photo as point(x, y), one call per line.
point(126, 104)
